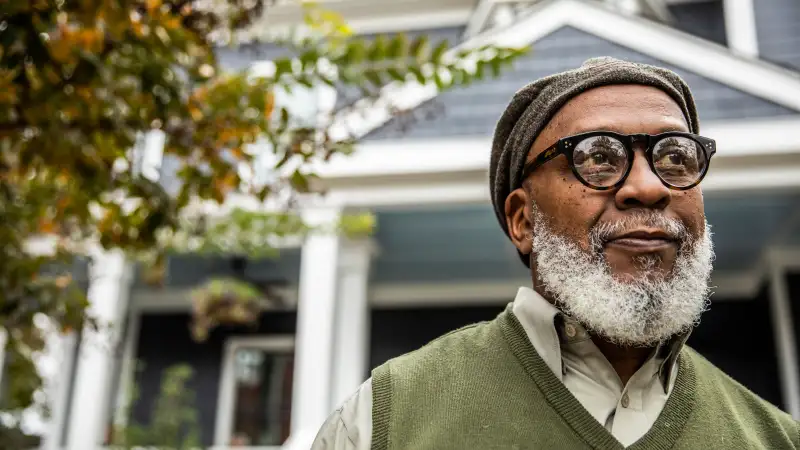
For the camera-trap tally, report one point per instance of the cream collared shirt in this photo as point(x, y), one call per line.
point(627, 412)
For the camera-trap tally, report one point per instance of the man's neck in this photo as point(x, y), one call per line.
point(625, 360)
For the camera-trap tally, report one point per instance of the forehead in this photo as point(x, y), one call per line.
point(625, 109)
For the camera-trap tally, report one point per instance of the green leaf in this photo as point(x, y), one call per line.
point(417, 72)
point(440, 84)
point(398, 47)
point(395, 74)
point(282, 66)
point(373, 77)
point(304, 81)
point(355, 53)
point(377, 51)
point(299, 182)
point(419, 47)
point(309, 58)
point(436, 56)
point(496, 65)
point(479, 69)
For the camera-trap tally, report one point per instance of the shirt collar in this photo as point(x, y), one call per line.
point(548, 328)
point(537, 317)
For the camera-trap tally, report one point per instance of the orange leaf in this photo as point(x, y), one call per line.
point(269, 104)
point(46, 226)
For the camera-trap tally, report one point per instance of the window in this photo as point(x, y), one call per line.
point(254, 407)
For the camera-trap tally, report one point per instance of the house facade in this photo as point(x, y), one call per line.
point(438, 259)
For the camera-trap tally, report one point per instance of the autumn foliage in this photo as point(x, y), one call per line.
point(81, 81)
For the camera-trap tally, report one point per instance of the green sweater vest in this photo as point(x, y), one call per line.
point(485, 387)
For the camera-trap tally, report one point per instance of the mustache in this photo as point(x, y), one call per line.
point(602, 232)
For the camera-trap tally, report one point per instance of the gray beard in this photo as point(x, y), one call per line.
point(636, 311)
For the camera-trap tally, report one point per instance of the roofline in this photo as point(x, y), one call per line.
point(697, 55)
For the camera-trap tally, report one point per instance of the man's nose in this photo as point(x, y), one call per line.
point(642, 188)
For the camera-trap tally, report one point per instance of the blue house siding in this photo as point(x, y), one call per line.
point(778, 31)
point(703, 19)
point(474, 110)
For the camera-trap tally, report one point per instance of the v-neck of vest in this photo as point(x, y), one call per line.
point(662, 435)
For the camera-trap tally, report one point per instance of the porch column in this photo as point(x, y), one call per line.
point(351, 350)
point(109, 288)
point(783, 328)
point(63, 349)
point(315, 330)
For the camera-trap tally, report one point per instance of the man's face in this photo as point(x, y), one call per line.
point(634, 239)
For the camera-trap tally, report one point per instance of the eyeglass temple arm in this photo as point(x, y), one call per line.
point(540, 159)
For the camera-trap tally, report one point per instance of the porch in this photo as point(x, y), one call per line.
point(349, 306)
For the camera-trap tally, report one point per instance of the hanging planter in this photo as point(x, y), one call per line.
point(225, 301)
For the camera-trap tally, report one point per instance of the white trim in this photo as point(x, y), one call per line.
point(225, 398)
point(411, 22)
point(786, 258)
point(473, 188)
point(368, 16)
point(681, 2)
point(480, 15)
point(659, 41)
point(727, 285)
point(740, 27)
point(166, 300)
point(471, 153)
point(785, 344)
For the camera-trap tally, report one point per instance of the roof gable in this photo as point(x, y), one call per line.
point(664, 45)
point(475, 109)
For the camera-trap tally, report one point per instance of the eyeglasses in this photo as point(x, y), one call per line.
point(603, 159)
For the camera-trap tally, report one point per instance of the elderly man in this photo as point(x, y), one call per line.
point(595, 177)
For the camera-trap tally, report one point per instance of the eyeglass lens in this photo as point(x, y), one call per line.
point(602, 161)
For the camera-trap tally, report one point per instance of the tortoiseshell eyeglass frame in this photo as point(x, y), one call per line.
point(566, 146)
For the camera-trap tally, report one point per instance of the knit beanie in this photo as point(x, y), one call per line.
point(532, 107)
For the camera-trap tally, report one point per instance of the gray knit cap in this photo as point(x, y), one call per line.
point(534, 105)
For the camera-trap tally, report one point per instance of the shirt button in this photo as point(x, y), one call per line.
point(625, 400)
point(570, 330)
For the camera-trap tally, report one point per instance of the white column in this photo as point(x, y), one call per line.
point(127, 368)
point(351, 349)
point(59, 391)
point(315, 330)
point(3, 342)
point(109, 289)
point(785, 344)
point(740, 27)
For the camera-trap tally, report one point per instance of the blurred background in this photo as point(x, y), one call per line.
point(209, 344)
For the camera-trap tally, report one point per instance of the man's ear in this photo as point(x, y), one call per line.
point(518, 220)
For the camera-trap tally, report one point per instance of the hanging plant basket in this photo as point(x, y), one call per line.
point(224, 301)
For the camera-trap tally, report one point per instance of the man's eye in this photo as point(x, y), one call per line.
point(673, 158)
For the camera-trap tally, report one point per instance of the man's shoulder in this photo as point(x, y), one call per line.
point(467, 342)
point(718, 391)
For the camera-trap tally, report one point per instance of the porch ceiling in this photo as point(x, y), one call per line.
point(465, 242)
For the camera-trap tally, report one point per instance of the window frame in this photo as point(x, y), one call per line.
point(225, 400)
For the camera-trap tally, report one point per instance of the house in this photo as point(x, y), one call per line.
point(438, 259)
